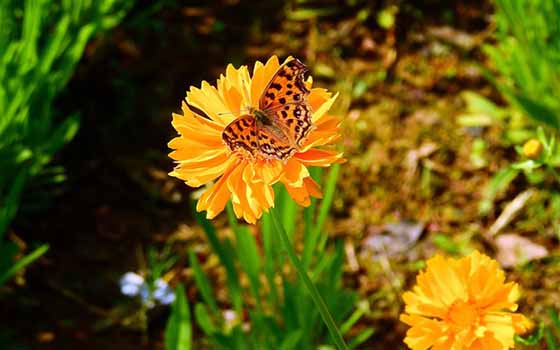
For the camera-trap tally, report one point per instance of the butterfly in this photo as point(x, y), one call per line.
point(280, 125)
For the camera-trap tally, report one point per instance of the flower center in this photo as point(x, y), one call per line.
point(463, 314)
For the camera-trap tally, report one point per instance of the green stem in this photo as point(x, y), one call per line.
point(317, 299)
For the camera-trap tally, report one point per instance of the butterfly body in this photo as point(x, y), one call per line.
point(279, 126)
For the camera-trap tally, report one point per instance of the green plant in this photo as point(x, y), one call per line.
point(527, 56)
point(274, 309)
point(148, 289)
point(539, 157)
point(178, 332)
point(40, 44)
point(537, 165)
point(550, 333)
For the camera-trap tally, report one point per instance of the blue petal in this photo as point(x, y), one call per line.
point(130, 283)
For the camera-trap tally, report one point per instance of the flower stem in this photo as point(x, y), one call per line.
point(317, 299)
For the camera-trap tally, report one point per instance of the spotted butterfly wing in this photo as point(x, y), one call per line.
point(253, 137)
point(242, 134)
point(279, 126)
point(286, 86)
point(284, 100)
point(272, 138)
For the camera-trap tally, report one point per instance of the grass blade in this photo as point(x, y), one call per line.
point(202, 283)
point(23, 262)
point(178, 332)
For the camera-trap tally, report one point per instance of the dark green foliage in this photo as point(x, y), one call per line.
point(40, 44)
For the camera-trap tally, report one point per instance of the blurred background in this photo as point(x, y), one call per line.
point(438, 100)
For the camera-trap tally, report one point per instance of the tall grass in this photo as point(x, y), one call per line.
point(527, 55)
point(41, 41)
point(273, 309)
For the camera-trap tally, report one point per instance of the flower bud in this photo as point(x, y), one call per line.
point(532, 149)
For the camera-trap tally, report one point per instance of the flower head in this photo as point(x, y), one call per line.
point(462, 304)
point(203, 157)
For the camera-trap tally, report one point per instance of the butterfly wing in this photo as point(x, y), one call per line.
point(295, 119)
point(242, 134)
point(286, 86)
point(273, 142)
point(284, 101)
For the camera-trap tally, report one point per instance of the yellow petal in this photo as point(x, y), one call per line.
point(319, 157)
point(196, 174)
point(321, 111)
point(298, 194)
point(232, 97)
point(312, 187)
point(244, 203)
point(261, 77)
point(262, 192)
point(208, 99)
point(215, 198)
point(317, 97)
point(294, 173)
point(522, 324)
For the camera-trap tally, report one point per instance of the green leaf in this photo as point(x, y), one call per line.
point(539, 111)
point(202, 283)
point(270, 252)
point(249, 258)
point(479, 105)
point(204, 319)
point(361, 337)
point(311, 13)
point(23, 262)
point(291, 340)
point(225, 254)
point(9, 207)
point(330, 187)
point(324, 208)
point(178, 332)
point(499, 182)
point(446, 243)
point(63, 134)
point(555, 318)
point(551, 343)
point(527, 165)
point(362, 308)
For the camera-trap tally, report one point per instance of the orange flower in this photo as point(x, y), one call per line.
point(462, 304)
point(202, 156)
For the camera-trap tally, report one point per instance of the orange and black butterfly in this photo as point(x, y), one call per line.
point(280, 125)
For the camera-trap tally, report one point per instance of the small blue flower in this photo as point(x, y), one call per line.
point(163, 292)
point(131, 283)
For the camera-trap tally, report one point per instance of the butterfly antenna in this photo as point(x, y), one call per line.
point(242, 110)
